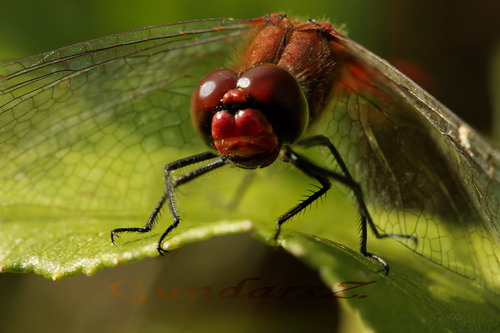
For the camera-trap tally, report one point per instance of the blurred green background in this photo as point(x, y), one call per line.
point(447, 46)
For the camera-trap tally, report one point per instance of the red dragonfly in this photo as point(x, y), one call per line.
point(418, 173)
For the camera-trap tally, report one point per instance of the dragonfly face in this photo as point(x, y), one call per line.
point(245, 116)
point(423, 172)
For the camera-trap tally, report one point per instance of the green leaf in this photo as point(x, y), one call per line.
point(58, 243)
point(59, 248)
point(417, 295)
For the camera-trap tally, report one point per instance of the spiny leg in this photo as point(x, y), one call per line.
point(303, 165)
point(168, 195)
point(320, 140)
point(323, 176)
point(215, 164)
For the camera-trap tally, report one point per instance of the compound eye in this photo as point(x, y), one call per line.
point(212, 88)
point(279, 96)
point(207, 98)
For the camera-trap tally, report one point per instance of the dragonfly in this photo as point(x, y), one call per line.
point(101, 113)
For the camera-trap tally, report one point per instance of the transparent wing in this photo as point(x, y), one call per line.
point(88, 127)
point(424, 171)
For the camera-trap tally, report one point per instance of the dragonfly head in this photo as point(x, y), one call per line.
point(247, 116)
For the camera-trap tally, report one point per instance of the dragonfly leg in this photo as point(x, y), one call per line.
point(168, 195)
point(363, 244)
point(323, 176)
point(320, 140)
point(310, 169)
